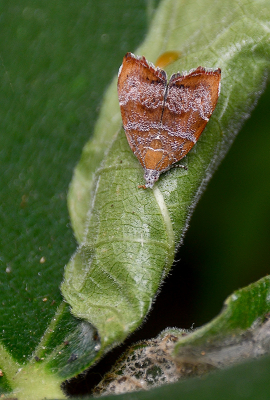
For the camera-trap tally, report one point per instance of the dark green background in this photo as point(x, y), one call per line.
point(228, 243)
point(56, 60)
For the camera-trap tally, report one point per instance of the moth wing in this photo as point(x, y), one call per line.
point(190, 102)
point(141, 89)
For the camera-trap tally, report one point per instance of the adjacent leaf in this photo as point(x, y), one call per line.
point(245, 309)
point(129, 237)
point(240, 333)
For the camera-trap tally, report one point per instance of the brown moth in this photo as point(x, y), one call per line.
point(163, 120)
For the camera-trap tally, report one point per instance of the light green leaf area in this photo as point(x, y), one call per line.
point(120, 264)
point(128, 236)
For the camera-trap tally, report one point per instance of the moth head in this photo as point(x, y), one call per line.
point(151, 176)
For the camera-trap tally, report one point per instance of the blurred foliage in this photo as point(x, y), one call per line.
point(55, 62)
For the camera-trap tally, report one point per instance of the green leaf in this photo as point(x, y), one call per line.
point(131, 235)
point(56, 60)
